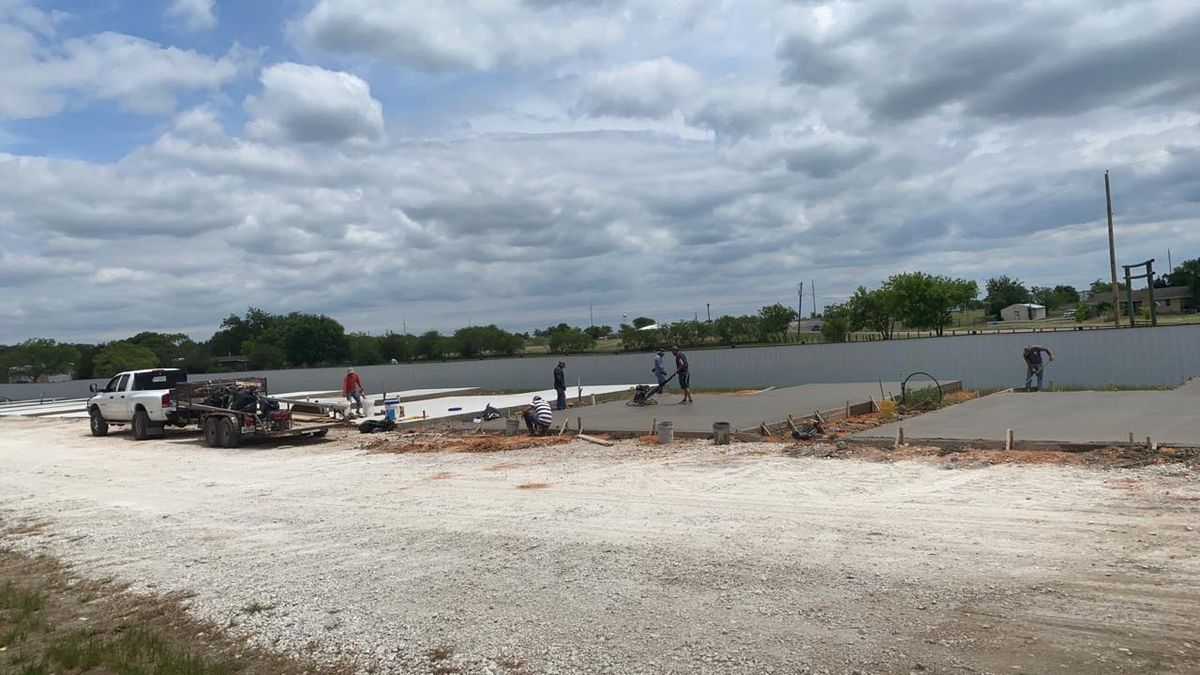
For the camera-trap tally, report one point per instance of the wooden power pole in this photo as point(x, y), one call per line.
point(1112, 256)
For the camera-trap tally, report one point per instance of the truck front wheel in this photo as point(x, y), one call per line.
point(227, 433)
point(141, 425)
point(99, 424)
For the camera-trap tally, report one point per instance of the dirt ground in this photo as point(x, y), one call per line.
point(639, 558)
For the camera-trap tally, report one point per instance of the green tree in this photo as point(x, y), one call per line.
point(313, 339)
point(170, 348)
point(875, 310)
point(1003, 291)
point(1083, 311)
point(773, 322)
point(86, 364)
point(727, 329)
point(924, 301)
point(431, 345)
point(364, 350)
point(489, 340)
point(1054, 298)
point(38, 357)
point(1187, 273)
point(397, 347)
point(598, 332)
point(116, 357)
point(264, 355)
point(835, 326)
point(571, 340)
point(643, 321)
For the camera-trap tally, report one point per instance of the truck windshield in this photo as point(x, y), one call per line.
point(158, 379)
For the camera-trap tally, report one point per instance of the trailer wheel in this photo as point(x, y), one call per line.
point(227, 433)
point(211, 437)
point(321, 434)
point(141, 425)
point(99, 424)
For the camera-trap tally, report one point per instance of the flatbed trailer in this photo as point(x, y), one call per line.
point(229, 427)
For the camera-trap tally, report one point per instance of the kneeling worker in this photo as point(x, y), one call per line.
point(538, 417)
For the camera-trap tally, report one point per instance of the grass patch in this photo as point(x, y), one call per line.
point(256, 608)
point(54, 622)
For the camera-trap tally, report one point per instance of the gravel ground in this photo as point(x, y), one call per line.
point(633, 559)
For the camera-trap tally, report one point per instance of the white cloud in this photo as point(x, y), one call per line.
point(308, 104)
point(479, 35)
point(194, 15)
point(141, 75)
point(652, 89)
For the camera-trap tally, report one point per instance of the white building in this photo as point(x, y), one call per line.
point(1023, 311)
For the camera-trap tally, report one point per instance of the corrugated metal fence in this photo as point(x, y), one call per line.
point(1134, 356)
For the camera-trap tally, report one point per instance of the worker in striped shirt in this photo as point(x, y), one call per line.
point(538, 417)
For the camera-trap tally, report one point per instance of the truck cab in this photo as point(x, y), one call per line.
point(140, 398)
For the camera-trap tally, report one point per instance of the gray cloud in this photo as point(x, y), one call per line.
point(840, 141)
point(308, 104)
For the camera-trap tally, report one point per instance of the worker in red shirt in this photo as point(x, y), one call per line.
point(353, 390)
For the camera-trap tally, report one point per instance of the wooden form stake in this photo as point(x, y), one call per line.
point(847, 408)
point(874, 405)
point(1150, 444)
point(579, 425)
point(817, 415)
point(899, 436)
point(1008, 440)
point(792, 425)
point(563, 428)
point(653, 426)
point(1131, 440)
point(762, 427)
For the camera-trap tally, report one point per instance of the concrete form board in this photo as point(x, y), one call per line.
point(743, 412)
point(1129, 356)
point(1087, 417)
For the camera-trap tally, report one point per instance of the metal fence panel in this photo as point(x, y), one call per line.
point(1093, 358)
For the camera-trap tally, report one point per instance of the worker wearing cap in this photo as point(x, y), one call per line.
point(538, 417)
point(352, 389)
point(560, 385)
point(660, 373)
point(1034, 366)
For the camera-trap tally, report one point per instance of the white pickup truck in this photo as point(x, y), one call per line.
point(139, 398)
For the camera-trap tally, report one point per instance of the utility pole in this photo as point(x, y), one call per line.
point(1170, 267)
point(708, 310)
point(591, 317)
point(1112, 256)
point(814, 295)
point(800, 302)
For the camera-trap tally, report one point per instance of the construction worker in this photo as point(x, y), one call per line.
point(684, 373)
point(1034, 365)
point(352, 389)
point(538, 417)
point(660, 373)
point(560, 385)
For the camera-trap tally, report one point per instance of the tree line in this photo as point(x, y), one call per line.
point(262, 340)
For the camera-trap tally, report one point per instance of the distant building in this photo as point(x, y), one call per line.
point(1169, 300)
point(1023, 311)
point(806, 326)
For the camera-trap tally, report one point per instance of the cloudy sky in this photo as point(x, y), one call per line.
point(435, 164)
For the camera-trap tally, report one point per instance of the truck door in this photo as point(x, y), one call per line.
point(118, 407)
point(104, 402)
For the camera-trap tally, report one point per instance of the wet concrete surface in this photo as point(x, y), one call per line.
point(743, 411)
point(1169, 417)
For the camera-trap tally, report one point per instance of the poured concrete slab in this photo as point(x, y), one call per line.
point(1084, 417)
point(743, 411)
point(454, 406)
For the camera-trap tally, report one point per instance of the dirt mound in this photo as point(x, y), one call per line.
point(1114, 457)
point(475, 444)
